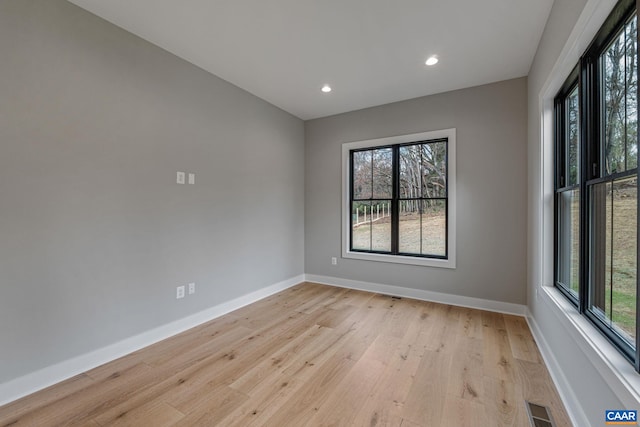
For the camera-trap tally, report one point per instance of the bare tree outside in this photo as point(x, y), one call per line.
point(614, 203)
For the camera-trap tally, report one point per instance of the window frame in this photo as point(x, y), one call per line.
point(430, 261)
point(591, 169)
point(560, 177)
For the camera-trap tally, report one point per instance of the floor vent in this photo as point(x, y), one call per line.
point(539, 415)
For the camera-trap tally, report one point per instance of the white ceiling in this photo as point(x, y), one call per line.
point(371, 52)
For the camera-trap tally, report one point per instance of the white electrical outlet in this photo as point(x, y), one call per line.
point(180, 292)
point(334, 261)
point(192, 178)
point(192, 288)
point(180, 177)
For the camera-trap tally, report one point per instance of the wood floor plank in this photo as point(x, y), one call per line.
point(407, 423)
point(315, 355)
point(503, 402)
point(302, 406)
point(333, 317)
point(461, 412)
point(441, 324)
point(400, 313)
point(83, 405)
point(470, 324)
point(386, 398)
point(351, 393)
point(48, 396)
point(282, 359)
point(353, 298)
point(266, 400)
point(389, 397)
point(155, 413)
point(326, 296)
point(523, 346)
point(222, 366)
point(207, 405)
point(427, 396)
point(200, 347)
point(466, 370)
point(498, 360)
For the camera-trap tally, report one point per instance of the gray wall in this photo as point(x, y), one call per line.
point(95, 233)
point(491, 185)
point(591, 393)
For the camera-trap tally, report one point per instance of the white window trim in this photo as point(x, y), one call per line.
point(450, 262)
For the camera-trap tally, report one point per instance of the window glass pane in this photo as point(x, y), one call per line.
point(632, 93)
point(409, 227)
point(434, 228)
point(619, 109)
point(573, 135)
point(613, 255)
point(371, 226)
point(423, 227)
point(434, 169)
point(362, 174)
point(382, 170)
point(380, 226)
point(614, 103)
point(410, 172)
point(569, 240)
point(361, 225)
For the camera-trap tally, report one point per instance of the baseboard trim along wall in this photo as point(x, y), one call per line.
point(30, 383)
point(419, 294)
point(568, 397)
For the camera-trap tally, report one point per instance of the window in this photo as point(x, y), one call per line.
point(399, 199)
point(596, 182)
point(568, 189)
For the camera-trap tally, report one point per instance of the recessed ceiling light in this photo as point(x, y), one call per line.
point(326, 88)
point(433, 60)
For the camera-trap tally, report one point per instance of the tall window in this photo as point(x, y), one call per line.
point(597, 182)
point(399, 204)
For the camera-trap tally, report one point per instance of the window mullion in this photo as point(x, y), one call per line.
point(395, 196)
point(350, 208)
point(589, 135)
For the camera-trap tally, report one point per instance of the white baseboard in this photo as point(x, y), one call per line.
point(568, 397)
point(457, 300)
point(30, 383)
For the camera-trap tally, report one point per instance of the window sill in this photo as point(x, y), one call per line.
point(399, 259)
point(614, 369)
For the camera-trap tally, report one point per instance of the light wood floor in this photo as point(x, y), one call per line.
point(315, 355)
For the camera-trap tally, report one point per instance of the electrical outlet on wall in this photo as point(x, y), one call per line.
point(192, 288)
point(180, 292)
point(334, 261)
point(180, 177)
